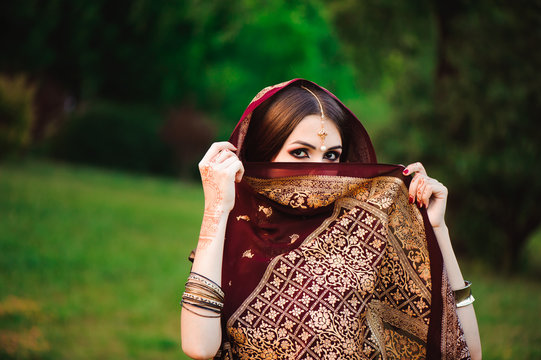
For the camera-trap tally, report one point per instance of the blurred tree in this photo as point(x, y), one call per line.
point(209, 56)
point(116, 136)
point(15, 114)
point(466, 98)
point(214, 54)
point(240, 47)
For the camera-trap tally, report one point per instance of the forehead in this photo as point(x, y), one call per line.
point(311, 124)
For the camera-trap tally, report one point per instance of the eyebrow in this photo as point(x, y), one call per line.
point(313, 147)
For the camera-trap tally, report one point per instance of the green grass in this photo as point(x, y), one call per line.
point(508, 311)
point(103, 255)
point(97, 260)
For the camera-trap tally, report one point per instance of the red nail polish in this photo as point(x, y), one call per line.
point(411, 199)
point(420, 204)
point(405, 172)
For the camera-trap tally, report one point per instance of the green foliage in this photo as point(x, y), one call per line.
point(491, 109)
point(205, 55)
point(484, 128)
point(244, 46)
point(464, 88)
point(116, 136)
point(16, 113)
point(214, 54)
point(382, 35)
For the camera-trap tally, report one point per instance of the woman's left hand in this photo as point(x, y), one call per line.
point(427, 192)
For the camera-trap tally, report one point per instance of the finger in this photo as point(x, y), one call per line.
point(225, 164)
point(223, 155)
point(413, 188)
point(420, 190)
point(215, 150)
point(233, 166)
point(414, 168)
point(438, 189)
point(240, 172)
point(427, 192)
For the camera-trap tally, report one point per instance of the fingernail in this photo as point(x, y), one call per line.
point(420, 204)
point(406, 172)
point(411, 199)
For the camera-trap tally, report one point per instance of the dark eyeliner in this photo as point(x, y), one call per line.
point(335, 153)
point(301, 150)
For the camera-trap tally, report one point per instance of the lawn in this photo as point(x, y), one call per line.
point(96, 260)
point(93, 262)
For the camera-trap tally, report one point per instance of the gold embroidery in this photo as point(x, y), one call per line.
point(293, 238)
point(453, 342)
point(310, 191)
point(248, 254)
point(243, 130)
point(379, 312)
point(352, 285)
point(400, 346)
point(261, 93)
point(266, 210)
point(243, 217)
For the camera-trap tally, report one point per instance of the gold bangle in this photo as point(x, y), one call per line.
point(203, 301)
point(205, 280)
point(195, 288)
point(463, 296)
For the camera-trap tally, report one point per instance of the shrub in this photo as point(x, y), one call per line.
point(16, 113)
point(115, 136)
point(189, 133)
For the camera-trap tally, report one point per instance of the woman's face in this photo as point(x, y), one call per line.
point(304, 144)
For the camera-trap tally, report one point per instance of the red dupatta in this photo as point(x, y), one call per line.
point(330, 260)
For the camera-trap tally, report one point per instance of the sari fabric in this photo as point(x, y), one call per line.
point(330, 261)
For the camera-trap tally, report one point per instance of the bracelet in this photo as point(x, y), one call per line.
point(203, 293)
point(205, 280)
point(184, 303)
point(463, 296)
point(202, 301)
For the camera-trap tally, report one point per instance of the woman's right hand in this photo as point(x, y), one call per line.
point(220, 168)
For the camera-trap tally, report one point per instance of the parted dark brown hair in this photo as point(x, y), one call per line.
point(273, 121)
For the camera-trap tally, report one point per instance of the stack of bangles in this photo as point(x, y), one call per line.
point(203, 293)
point(463, 296)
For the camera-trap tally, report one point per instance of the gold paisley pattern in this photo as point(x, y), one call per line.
point(358, 287)
point(311, 191)
point(266, 210)
point(400, 346)
point(453, 341)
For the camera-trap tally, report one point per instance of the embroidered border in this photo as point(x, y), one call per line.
point(324, 299)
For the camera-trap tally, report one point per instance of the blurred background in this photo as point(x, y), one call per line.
point(107, 106)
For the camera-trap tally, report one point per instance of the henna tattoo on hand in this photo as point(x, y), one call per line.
point(209, 228)
point(211, 188)
point(211, 216)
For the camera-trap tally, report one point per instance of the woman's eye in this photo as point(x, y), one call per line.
point(299, 153)
point(331, 155)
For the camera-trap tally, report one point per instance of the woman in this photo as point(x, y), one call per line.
point(321, 253)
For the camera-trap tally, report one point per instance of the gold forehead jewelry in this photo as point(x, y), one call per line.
point(322, 133)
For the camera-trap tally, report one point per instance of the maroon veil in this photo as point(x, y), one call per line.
point(327, 261)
